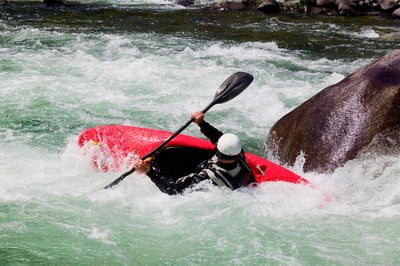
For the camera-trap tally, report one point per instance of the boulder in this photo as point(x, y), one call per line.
point(387, 5)
point(231, 5)
point(336, 124)
point(269, 6)
point(347, 7)
point(396, 13)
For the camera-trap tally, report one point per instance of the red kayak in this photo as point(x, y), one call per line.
point(115, 144)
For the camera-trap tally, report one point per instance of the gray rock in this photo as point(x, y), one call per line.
point(231, 5)
point(396, 13)
point(387, 5)
point(336, 124)
point(347, 7)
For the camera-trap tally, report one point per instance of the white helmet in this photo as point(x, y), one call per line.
point(229, 144)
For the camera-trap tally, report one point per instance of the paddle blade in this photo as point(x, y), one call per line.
point(232, 87)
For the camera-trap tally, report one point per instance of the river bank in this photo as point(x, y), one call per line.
point(359, 37)
point(382, 8)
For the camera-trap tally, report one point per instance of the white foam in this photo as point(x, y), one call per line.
point(368, 33)
point(100, 234)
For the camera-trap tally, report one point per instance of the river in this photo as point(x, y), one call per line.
point(151, 63)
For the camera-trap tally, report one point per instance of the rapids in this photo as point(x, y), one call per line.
point(151, 63)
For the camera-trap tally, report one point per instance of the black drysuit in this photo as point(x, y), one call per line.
point(233, 175)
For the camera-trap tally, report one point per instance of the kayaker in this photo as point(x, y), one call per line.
point(227, 167)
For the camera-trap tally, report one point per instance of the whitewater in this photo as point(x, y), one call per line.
point(60, 75)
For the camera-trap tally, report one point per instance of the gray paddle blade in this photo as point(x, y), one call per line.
point(233, 86)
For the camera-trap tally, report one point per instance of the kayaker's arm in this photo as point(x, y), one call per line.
point(208, 130)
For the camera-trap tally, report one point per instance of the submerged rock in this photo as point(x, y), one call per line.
point(335, 125)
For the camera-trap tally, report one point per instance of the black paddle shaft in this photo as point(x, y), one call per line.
point(228, 90)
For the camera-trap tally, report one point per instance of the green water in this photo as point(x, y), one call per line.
point(151, 64)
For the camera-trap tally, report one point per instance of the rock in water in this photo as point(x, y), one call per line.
point(333, 126)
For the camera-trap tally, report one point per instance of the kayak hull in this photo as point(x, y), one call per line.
point(117, 145)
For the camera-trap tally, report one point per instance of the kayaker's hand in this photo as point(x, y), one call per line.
point(141, 166)
point(198, 117)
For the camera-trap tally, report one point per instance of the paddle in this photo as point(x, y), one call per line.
point(228, 90)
